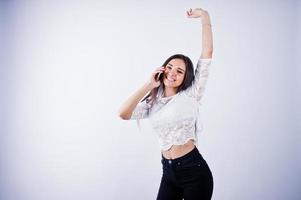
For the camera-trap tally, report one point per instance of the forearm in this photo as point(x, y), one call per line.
point(130, 104)
point(207, 41)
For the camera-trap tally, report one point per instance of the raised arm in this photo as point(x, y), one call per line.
point(207, 42)
point(202, 68)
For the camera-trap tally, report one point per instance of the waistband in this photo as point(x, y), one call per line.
point(194, 152)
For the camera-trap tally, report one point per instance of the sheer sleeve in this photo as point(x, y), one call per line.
point(196, 90)
point(141, 111)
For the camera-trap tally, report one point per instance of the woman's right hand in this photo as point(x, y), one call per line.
point(153, 82)
point(196, 13)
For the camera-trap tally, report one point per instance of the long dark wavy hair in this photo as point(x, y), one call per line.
point(188, 78)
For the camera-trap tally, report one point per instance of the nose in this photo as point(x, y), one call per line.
point(173, 72)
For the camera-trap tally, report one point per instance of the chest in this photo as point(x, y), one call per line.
point(174, 111)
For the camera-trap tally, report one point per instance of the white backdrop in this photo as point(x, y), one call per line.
point(67, 66)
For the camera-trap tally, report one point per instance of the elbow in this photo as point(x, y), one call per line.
point(208, 53)
point(124, 116)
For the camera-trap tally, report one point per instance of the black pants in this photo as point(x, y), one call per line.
point(187, 177)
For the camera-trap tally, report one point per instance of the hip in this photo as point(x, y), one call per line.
point(188, 169)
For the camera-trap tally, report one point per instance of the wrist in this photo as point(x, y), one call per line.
point(148, 85)
point(206, 19)
point(205, 25)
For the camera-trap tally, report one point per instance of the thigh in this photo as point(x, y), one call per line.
point(168, 191)
point(201, 190)
point(196, 179)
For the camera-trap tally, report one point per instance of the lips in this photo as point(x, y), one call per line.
point(170, 79)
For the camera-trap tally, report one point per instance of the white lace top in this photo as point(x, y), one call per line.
point(176, 118)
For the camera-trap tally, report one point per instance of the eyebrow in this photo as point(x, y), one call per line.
point(178, 67)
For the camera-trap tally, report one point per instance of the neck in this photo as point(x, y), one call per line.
point(169, 91)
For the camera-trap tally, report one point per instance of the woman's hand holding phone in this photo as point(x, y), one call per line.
point(159, 75)
point(156, 76)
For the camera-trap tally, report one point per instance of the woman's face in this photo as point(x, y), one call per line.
point(174, 73)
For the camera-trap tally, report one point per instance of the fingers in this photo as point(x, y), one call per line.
point(154, 77)
point(193, 12)
point(158, 70)
point(189, 11)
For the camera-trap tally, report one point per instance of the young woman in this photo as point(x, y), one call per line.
point(172, 99)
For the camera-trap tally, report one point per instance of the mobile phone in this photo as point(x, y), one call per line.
point(160, 74)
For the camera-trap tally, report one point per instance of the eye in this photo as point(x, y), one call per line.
point(169, 67)
point(180, 72)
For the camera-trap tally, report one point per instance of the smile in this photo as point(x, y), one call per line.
point(170, 79)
